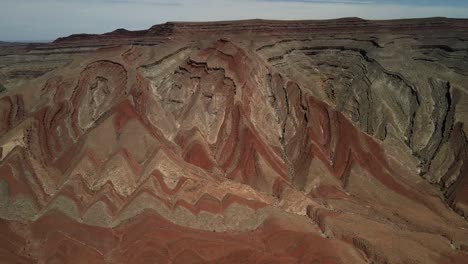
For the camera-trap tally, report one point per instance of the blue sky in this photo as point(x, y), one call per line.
point(25, 20)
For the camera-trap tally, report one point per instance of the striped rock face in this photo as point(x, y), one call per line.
point(340, 141)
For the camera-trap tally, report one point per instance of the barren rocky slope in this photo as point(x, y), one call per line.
point(339, 141)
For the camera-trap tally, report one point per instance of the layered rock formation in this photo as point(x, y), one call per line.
point(338, 141)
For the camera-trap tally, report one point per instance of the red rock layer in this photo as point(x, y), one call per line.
point(149, 238)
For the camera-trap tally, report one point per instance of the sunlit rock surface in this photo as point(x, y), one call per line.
point(340, 141)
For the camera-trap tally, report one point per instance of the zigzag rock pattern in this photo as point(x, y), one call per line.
point(337, 141)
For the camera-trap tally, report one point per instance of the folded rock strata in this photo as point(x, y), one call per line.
point(338, 141)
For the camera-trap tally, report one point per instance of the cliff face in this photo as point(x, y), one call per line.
point(338, 141)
